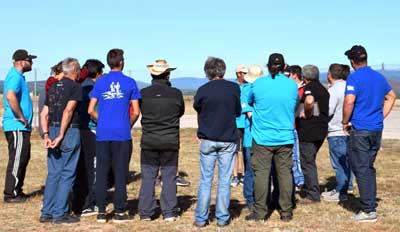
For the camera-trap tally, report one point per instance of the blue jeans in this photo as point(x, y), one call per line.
point(297, 172)
point(61, 164)
point(222, 153)
point(248, 185)
point(340, 163)
point(363, 146)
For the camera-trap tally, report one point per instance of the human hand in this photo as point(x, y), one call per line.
point(346, 128)
point(47, 141)
point(56, 142)
point(24, 121)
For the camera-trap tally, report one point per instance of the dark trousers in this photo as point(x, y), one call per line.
point(363, 146)
point(151, 161)
point(116, 154)
point(84, 188)
point(261, 163)
point(308, 154)
point(19, 153)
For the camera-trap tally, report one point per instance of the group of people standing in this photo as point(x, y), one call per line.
point(284, 119)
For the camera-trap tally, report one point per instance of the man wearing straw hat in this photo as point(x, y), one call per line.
point(161, 106)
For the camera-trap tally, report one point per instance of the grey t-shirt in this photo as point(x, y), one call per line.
point(336, 99)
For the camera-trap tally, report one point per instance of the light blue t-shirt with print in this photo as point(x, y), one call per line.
point(274, 101)
point(16, 82)
point(114, 93)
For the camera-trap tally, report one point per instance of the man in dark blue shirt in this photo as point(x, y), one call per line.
point(217, 104)
point(363, 110)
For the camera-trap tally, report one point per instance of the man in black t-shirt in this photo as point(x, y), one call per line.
point(60, 125)
point(312, 127)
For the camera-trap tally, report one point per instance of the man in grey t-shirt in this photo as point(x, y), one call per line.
point(337, 139)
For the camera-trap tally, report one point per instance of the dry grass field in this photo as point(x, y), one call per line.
point(320, 217)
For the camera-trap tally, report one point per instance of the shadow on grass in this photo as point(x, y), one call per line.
point(353, 203)
point(38, 192)
point(329, 185)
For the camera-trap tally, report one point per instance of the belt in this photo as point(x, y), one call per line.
point(58, 124)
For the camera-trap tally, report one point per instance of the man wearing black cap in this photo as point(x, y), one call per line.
point(363, 115)
point(17, 121)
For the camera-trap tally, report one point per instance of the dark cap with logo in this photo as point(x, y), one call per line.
point(276, 59)
point(356, 53)
point(22, 54)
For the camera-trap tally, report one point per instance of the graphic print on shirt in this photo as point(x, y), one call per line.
point(114, 93)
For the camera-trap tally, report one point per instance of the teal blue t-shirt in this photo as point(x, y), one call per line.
point(247, 138)
point(16, 82)
point(240, 121)
point(274, 102)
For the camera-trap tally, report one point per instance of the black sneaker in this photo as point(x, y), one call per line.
point(17, 199)
point(181, 181)
point(223, 224)
point(286, 217)
point(101, 217)
point(200, 224)
point(122, 217)
point(66, 219)
point(253, 217)
point(45, 219)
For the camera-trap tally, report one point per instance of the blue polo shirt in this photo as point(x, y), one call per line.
point(16, 82)
point(370, 88)
point(274, 102)
point(114, 92)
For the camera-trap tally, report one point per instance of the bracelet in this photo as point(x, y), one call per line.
point(345, 123)
point(45, 133)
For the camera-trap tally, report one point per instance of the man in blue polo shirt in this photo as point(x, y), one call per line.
point(17, 121)
point(113, 93)
point(368, 100)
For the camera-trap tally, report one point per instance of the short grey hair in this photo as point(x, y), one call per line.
point(214, 67)
point(310, 72)
point(70, 65)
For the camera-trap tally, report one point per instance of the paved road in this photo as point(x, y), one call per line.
point(391, 131)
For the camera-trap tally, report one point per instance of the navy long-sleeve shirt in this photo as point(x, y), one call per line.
point(218, 104)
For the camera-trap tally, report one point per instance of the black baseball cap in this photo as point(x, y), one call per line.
point(22, 54)
point(356, 53)
point(276, 59)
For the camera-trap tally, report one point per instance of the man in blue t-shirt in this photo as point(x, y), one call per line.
point(17, 121)
point(368, 100)
point(274, 100)
point(113, 93)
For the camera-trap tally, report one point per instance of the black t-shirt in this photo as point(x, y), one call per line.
point(315, 128)
point(58, 96)
point(218, 104)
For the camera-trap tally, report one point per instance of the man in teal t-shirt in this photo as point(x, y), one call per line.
point(17, 121)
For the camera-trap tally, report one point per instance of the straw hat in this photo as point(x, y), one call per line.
point(159, 67)
point(254, 71)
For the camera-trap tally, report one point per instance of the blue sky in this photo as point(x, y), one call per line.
point(187, 32)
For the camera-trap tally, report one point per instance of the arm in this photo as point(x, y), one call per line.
point(308, 106)
point(92, 109)
point(66, 119)
point(390, 99)
point(182, 108)
point(13, 102)
point(136, 111)
point(348, 106)
point(333, 102)
point(44, 121)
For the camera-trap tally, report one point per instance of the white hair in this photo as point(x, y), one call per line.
point(70, 65)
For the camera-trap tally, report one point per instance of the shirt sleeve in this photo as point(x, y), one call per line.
point(351, 87)
point(197, 101)
point(250, 96)
point(135, 95)
point(243, 98)
point(14, 84)
point(387, 86)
